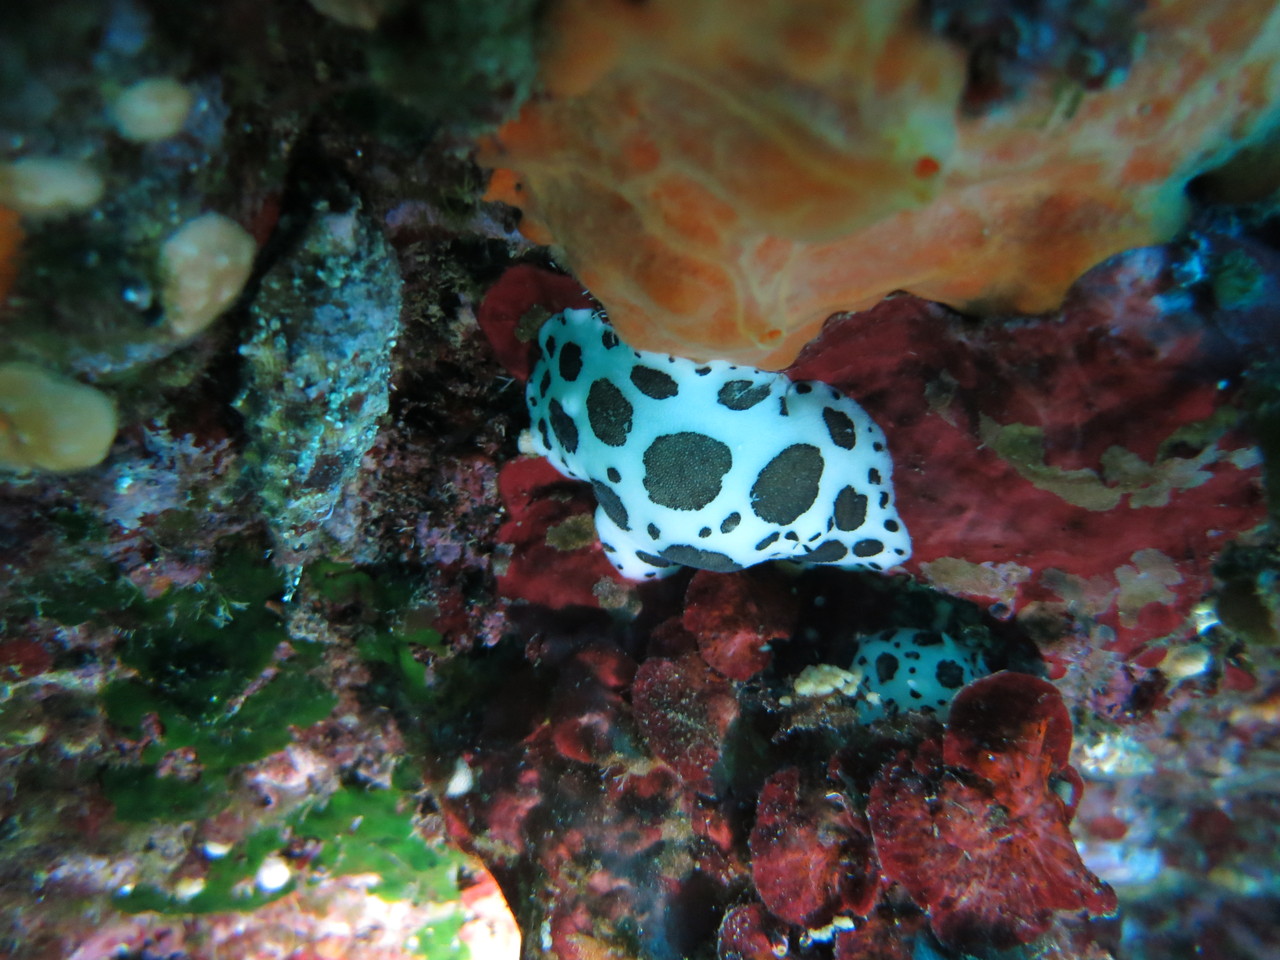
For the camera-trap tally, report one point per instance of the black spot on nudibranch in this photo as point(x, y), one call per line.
point(611, 504)
point(609, 413)
point(804, 387)
point(873, 476)
point(788, 484)
point(684, 471)
point(768, 541)
point(950, 675)
point(851, 509)
point(886, 667)
point(654, 532)
point(702, 559)
point(650, 559)
point(613, 475)
point(829, 551)
point(730, 523)
point(570, 362)
point(867, 548)
point(704, 533)
point(654, 383)
point(741, 394)
point(545, 385)
point(551, 343)
point(702, 371)
point(609, 339)
point(840, 427)
point(565, 429)
point(546, 437)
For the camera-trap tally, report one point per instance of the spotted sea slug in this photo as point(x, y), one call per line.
point(710, 465)
point(908, 669)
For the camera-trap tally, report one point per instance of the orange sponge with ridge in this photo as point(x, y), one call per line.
point(724, 176)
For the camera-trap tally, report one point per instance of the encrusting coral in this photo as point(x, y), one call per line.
point(724, 177)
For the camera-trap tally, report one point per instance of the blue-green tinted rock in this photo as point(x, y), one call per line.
point(317, 369)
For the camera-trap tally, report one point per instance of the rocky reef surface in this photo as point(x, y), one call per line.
point(305, 654)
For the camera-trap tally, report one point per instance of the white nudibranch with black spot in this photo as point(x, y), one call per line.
point(710, 465)
point(904, 670)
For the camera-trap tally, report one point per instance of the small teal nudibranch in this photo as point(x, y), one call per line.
point(710, 465)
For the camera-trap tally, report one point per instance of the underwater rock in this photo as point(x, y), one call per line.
point(975, 825)
point(811, 853)
point(317, 373)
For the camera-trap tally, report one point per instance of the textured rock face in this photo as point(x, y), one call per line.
point(318, 372)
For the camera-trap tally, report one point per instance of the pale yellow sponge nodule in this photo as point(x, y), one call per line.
point(152, 109)
point(204, 265)
point(50, 422)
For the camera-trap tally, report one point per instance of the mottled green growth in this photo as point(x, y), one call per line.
point(317, 374)
point(440, 939)
point(210, 668)
point(382, 603)
point(228, 882)
point(371, 831)
point(361, 831)
point(1237, 280)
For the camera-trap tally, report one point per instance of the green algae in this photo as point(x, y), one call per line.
point(359, 831)
point(208, 668)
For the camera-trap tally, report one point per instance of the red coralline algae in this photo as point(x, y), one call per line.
point(973, 825)
point(885, 935)
point(811, 853)
point(685, 709)
point(735, 616)
point(21, 659)
point(1087, 462)
point(545, 570)
point(520, 290)
point(748, 932)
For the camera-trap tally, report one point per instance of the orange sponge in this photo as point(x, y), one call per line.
point(10, 243)
point(724, 175)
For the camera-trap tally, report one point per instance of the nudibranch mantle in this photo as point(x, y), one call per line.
point(710, 465)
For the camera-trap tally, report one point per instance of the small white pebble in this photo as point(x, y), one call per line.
point(273, 874)
point(215, 849)
point(1186, 662)
point(460, 781)
point(188, 887)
